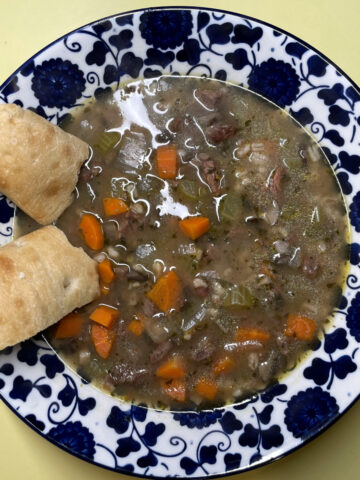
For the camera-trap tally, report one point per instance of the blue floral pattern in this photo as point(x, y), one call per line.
point(321, 370)
point(309, 411)
point(355, 212)
point(260, 437)
point(58, 83)
point(6, 214)
point(127, 438)
point(198, 419)
point(353, 317)
point(276, 80)
point(166, 28)
point(75, 437)
point(6, 210)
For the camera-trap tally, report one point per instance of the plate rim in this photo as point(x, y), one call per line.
point(338, 415)
point(184, 7)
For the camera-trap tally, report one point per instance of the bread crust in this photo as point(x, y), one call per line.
point(39, 163)
point(42, 279)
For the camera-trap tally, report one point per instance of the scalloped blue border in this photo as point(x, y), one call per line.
point(334, 419)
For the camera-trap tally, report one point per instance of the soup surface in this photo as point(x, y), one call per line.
point(220, 233)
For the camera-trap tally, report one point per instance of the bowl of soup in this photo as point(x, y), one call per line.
point(220, 201)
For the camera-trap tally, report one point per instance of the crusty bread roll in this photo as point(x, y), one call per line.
point(42, 279)
point(39, 163)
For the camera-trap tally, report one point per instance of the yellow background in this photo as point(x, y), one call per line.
point(332, 26)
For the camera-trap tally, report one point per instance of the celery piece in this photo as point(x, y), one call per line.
point(239, 297)
point(189, 189)
point(107, 141)
point(230, 208)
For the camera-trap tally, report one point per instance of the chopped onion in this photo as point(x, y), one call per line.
point(99, 257)
point(241, 151)
point(281, 246)
point(199, 282)
point(113, 252)
point(257, 147)
point(194, 321)
point(313, 153)
point(137, 208)
point(158, 268)
point(132, 297)
point(258, 158)
point(84, 357)
point(253, 360)
point(266, 368)
point(322, 247)
point(246, 181)
point(272, 216)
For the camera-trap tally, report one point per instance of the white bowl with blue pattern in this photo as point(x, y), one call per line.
point(131, 439)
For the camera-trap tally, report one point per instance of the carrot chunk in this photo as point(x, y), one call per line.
point(223, 365)
point(194, 227)
point(69, 326)
point(136, 327)
point(206, 388)
point(251, 334)
point(104, 288)
point(166, 161)
point(103, 340)
point(91, 230)
point(299, 327)
point(114, 206)
point(104, 315)
point(167, 292)
point(106, 271)
point(171, 369)
point(175, 389)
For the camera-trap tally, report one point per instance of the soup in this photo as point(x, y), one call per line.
point(220, 233)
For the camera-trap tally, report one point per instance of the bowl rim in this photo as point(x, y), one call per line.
point(339, 414)
point(183, 7)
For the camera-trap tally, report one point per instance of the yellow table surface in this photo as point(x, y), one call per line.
point(332, 27)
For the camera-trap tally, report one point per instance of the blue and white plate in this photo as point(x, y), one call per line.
point(46, 394)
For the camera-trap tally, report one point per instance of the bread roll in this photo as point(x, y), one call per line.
point(42, 279)
point(39, 163)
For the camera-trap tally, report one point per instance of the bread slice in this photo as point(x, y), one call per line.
point(42, 279)
point(39, 163)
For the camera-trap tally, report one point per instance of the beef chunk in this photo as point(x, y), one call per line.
point(124, 373)
point(161, 351)
point(149, 308)
point(209, 97)
point(276, 182)
point(135, 276)
point(156, 330)
point(88, 173)
point(220, 133)
point(176, 125)
point(210, 173)
point(111, 231)
point(203, 351)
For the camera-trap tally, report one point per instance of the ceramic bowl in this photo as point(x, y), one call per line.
point(136, 440)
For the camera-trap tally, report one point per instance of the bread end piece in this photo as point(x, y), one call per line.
point(42, 279)
point(39, 163)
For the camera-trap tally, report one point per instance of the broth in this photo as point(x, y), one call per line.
point(252, 288)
